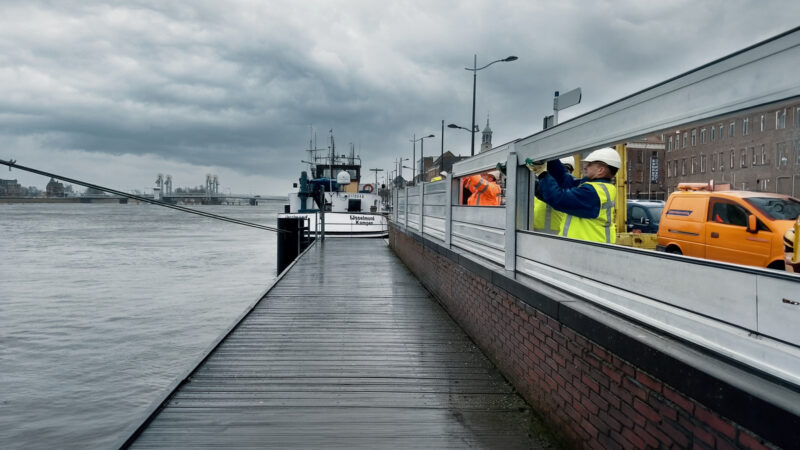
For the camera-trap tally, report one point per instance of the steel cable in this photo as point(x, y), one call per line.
point(12, 163)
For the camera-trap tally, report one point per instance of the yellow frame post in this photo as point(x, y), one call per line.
point(622, 190)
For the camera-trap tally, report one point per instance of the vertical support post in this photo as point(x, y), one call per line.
point(622, 190)
point(395, 206)
point(448, 209)
point(421, 205)
point(524, 197)
point(406, 189)
point(511, 210)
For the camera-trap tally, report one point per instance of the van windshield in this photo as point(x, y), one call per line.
point(777, 208)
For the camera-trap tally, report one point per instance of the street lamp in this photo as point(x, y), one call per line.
point(474, 71)
point(414, 154)
point(376, 177)
point(400, 166)
point(452, 125)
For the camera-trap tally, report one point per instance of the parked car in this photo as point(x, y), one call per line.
point(644, 215)
point(740, 227)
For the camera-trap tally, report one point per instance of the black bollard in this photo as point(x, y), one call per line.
point(289, 240)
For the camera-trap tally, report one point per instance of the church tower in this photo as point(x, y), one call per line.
point(486, 142)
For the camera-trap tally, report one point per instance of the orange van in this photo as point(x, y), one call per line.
point(739, 227)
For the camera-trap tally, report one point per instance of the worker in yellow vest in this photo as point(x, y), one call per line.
point(589, 202)
point(545, 218)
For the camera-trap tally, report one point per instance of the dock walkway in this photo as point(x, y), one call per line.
point(346, 350)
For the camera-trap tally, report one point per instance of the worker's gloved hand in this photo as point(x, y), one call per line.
point(537, 167)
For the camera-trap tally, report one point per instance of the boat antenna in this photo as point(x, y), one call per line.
point(152, 201)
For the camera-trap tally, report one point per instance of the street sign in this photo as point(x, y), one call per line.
point(567, 99)
point(654, 169)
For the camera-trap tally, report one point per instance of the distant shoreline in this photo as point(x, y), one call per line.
point(104, 200)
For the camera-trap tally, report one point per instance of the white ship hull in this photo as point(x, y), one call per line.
point(346, 224)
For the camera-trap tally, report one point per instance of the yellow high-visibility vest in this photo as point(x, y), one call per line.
point(600, 228)
point(545, 218)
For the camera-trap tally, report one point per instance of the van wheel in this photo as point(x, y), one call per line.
point(674, 250)
point(777, 265)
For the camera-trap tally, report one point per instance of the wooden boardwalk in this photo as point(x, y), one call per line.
point(347, 350)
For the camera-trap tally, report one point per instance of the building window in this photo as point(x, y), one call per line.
point(683, 166)
point(669, 146)
point(762, 122)
point(713, 129)
point(675, 168)
point(685, 138)
point(754, 157)
point(745, 126)
point(721, 134)
point(797, 152)
point(732, 129)
point(702, 163)
point(722, 165)
point(713, 161)
point(743, 157)
point(694, 165)
point(694, 137)
point(797, 117)
point(781, 154)
point(780, 119)
point(703, 136)
point(764, 160)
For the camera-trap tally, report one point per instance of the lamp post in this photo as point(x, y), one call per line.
point(376, 177)
point(400, 166)
point(414, 154)
point(474, 71)
point(441, 154)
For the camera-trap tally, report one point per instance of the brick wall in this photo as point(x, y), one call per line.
point(590, 394)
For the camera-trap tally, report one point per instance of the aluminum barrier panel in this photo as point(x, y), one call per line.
point(480, 230)
point(400, 206)
point(434, 210)
point(413, 207)
point(697, 300)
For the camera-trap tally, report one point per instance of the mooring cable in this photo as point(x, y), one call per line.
point(12, 163)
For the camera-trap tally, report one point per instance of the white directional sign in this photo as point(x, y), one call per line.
point(567, 99)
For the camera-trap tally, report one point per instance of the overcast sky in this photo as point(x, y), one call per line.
point(115, 93)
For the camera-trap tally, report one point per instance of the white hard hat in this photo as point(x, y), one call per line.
point(607, 155)
point(568, 160)
point(494, 173)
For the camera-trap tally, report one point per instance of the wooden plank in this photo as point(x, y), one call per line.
point(347, 350)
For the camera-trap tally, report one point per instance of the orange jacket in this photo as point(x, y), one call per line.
point(484, 193)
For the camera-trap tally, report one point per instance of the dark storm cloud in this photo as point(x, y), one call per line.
point(240, 84)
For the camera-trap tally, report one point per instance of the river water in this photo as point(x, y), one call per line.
point(103, 306)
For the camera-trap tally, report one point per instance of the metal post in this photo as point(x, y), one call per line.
point(414, 158)
point(406, 189)
point(448, 210)
point(422, 160)
point(441, 155)
point(472, 124)
point(555, 109)
point(511, 211)
point(421, 206)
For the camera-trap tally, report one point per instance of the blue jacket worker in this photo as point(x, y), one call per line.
point(589, 202)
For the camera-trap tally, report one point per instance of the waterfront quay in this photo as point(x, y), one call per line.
point(345, 350)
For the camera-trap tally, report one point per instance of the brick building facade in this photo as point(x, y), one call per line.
point(757, 149)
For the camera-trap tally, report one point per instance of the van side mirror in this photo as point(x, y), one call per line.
point(752, 223)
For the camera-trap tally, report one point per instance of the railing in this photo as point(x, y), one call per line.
point(747, 314)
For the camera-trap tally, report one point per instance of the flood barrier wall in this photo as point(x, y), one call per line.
point(598, 378)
